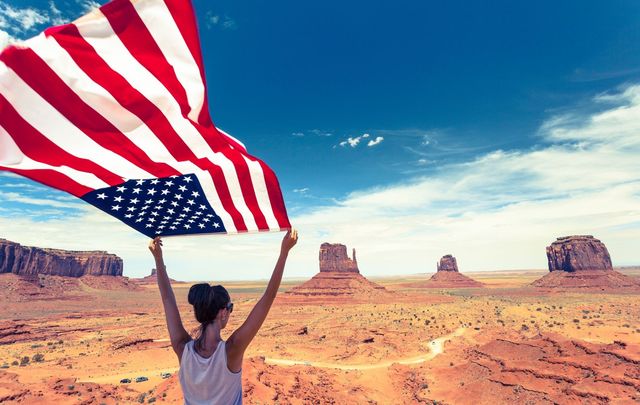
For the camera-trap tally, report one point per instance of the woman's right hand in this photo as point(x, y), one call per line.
point(289, 240)
point(155, 246)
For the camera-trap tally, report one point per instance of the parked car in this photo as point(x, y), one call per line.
point(165, 375)
point(141, 379)
point(125, 381)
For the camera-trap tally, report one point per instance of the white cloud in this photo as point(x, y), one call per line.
point(376, 141)
point(298, 134)
point(301, 190)
point(20, 19)
point(354, 141)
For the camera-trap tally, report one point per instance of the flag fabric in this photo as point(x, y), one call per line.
point(113, 109)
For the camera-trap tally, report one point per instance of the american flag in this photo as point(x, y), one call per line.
point(112, 108)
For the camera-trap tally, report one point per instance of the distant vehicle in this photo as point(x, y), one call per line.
point(141, 379)
point(125, 381)
point(165, 375)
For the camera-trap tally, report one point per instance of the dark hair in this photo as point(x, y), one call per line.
point(207, 301)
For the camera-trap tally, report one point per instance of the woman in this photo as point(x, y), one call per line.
point(210, 368)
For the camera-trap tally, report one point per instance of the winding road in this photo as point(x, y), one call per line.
point(436, 347)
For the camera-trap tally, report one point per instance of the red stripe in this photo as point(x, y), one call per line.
point(39, 148)
point(275, 195)
point(244, 175)
point(53, 179)
point(135, 36)
point(96, 68)
point(35, 72)
point(184, 17)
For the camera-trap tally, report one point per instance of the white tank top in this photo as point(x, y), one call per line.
point(208, 381)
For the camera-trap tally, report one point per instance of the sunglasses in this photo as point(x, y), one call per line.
point(230, 307)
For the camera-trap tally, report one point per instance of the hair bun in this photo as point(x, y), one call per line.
point(198, 293)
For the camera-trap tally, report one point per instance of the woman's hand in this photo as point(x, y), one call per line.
point(155, 246)
point(289, 240)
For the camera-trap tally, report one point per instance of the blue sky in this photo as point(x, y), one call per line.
point(408, 130)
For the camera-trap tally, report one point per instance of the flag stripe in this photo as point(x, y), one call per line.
point(41, 115)
point(127, 122)
point(48, 85)
point(97, 69)
point(117, 56)
point(161, 26)
point(184, 17)
point(13, 159)
point(39, 148)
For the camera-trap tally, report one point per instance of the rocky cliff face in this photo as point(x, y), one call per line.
point(447, 263)
point(334, 258)
point(30, 261)
point(578, 253)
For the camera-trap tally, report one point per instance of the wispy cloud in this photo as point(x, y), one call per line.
point(354, 141)
point(298, 134)
point(301, 190)
point(225, 22)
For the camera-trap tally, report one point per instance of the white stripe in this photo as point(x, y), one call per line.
point(11, 156)
point(99, 99)
point(43, 117)
point(262, 195)
point(234, 139)
point(108, 46)
point(162, 27)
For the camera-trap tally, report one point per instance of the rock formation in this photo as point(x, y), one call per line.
point(333, 258)
point(339, 276)
point(447, 263)
point(447, 276)
point(32, 261)
point(578, 253)
point(581, 261)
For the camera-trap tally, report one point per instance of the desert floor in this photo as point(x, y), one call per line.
point(72, 342)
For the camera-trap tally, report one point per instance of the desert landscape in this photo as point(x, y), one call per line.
point(73, 330)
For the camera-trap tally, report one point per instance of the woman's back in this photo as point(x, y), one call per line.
point(208, 380)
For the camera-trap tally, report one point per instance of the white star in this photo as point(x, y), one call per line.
point(188, 179)
point(139, 220)
point(162, 201)
point(178, 220)
point(187, 226)
point(209, 215)
point(198, 213)
point(137, 190)
point(149, 226)
point(155, 213)
point(216, 225)
point(148, 201)
point(182, 188)
point(165, 191)
point(195, 194)
point(205, 219)
point(172, 227)
point(139, 182)
point(161, 227)
point(145, 207)
point(151, 220)
point(178, 197)
point(170, 211)
point(155, 181)
point(175, 204)
point(101, 196)
point(186, 209)
point(202, 207)
point(121, 189)
point(151, 191)
point(201, 226)
point(158, 232)
point(128, 216)
point(190, 202)
point(183, 215)
point(164, 222)
point(131, 209)
point(168, 183)
point(191, 221)
point(166, 218)
point(141, 214)
point(118, 199)
point(134, 201)
point(116, 207)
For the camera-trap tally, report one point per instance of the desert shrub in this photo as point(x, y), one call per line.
point(38, 358)
point(24, 361)
point(15, 363)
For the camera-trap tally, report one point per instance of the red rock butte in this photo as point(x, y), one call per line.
point(339, 276)
point(581, 261)
point(33, 261)
point(448, 276)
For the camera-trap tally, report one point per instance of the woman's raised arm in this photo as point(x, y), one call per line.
point(240, 339)
point(178, 335)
